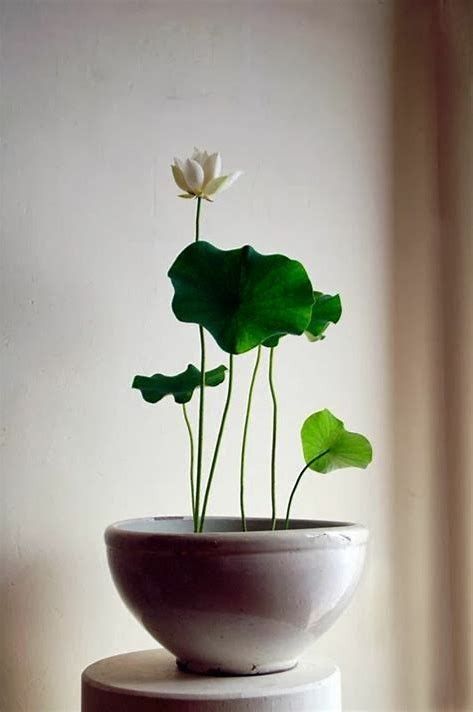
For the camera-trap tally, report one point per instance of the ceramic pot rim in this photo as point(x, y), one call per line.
point(309, 534)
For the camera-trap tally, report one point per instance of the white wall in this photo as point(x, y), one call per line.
point(97, 98)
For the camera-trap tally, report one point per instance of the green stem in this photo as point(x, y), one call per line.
point(243, 444)
point(218, 442)
point(273, 444)
point(311, 462)
point(197, 220)
point(191, 468)
point(200, 436)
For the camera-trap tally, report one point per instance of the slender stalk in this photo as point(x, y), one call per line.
point(273, 444)
point(218, 442)
point(243, 443)
point(197, 220)
point(311, 462)
point(191, 467)
point(200, 436)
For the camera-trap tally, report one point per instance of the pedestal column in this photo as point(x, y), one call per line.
point(148, 681)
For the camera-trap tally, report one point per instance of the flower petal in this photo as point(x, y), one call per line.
point(194, 175)
point(180, 164)
point(221, 183)
point(212, 167)
point(200, 156)
point(231, 178)
point(215, 185)
point(186, 195)
point(179, 178)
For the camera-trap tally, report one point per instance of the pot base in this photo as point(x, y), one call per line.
point(216, 670)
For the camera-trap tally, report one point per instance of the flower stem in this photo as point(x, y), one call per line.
point(218, 442)
point(197, 220)
point(191, 468)
point(200, 436)
point(306, 467)
point(243, 444)
point(273, 444)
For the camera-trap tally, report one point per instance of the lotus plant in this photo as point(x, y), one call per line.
point(246, 301)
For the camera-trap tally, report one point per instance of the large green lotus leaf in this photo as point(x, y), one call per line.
point(181, 387)
point(321, 433)
point(240, 296)
point(327, 310)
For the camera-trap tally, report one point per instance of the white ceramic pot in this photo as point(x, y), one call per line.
point(234, 602)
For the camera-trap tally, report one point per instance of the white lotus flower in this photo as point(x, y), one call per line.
point(201, 176)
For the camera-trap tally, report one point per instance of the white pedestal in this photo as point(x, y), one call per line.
point(148, 681)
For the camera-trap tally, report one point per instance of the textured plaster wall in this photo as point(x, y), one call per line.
point(96, 99)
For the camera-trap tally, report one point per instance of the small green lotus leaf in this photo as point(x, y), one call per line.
point(328, 446)
point(240, 296)
point(327, 310)
point(181, 387)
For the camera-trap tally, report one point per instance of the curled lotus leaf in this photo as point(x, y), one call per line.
point(327, 310)
point(240, 296)
point(328, 446)
point(181, 386)
point(273, 341)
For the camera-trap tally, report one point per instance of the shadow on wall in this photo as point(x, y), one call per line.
point(431, 370)
point(41, 349)
point(26, 632)
point(42, 628)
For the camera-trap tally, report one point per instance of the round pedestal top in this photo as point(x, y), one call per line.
point(149, 681)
